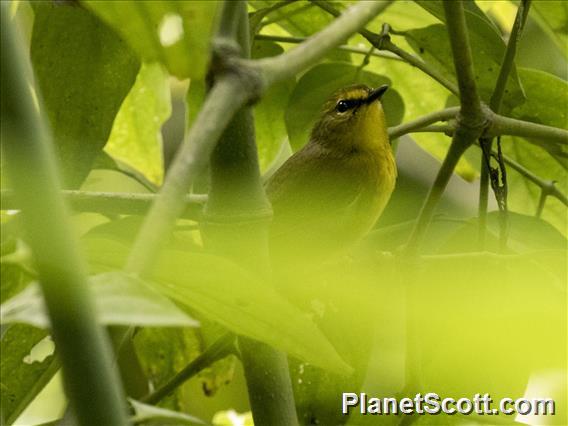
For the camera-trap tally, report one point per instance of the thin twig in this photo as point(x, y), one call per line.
point(425, 120)
point(111, 202)
point(290, 63)
point(383, 42)
point(222, 347)
point(495, 105)
point(344, 47)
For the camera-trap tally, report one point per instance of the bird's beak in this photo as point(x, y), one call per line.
point(376, 93)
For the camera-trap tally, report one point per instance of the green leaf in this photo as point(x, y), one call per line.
point(23, 375)
point(269, 112)
point(119, 299)
point(526, 234)
point(162, 353)
point(225, 293)
point(488, 49)
point(523, 195)
point(176, 33)
point(470, 300)
point(83, 71)
point(145, 414)
point(436, 8)
point(546, 104)
point(552, 16)
point(315, 87)
point(301, 19)
point(136, 138)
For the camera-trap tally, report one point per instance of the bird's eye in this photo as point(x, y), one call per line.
point(342, 106)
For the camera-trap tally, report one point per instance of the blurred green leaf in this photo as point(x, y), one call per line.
point(523, 195)
point(175, 33)
point(546, 104)
point(526, 234)
point(120, 299)
point(300, 19)
point(162, 353)
point(83, 71)
point(112, 181)
point(145, 414)
point(552, 16)
point(436, 8)
point(225, 293)
point(476, 315)
point(16, 263)
point(135, 138)
point(23, 377)
point(315, 87)
point(488, 49)
point(269, 112)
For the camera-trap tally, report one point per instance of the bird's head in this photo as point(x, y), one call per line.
point(352, 118)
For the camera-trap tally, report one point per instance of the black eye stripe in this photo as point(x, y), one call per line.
point(345, 104)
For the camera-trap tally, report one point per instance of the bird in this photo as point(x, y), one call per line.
point(330, 193)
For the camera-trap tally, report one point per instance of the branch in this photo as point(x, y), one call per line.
point(236, 194)
point(547, 186)
point(343, 47)
point(226, 98)
point(501, 125)
point(415, 125)
point(509, 59)
point(290, 63)
point(495, 105)
point(111, 202)
point(470, 121)
point(471, 112)
point(383, 42)
point(91, 383)
point(222, 347)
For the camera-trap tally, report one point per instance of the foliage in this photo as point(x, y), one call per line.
point(454, 319)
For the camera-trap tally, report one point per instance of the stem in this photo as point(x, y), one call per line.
point(223, 347)
point(509, 59)
point(111, 202)
point(495, 105)
point(470, 120)
point(541, 202)
point(225, 98)
point(501, 125)
point(90, 382)
point(546, 185)
point(343, 47)
point(471, 113)
point(425, 120)
point(290, 63)
point(236, 195)
point(383, 42)
point(421, 65)
point(460, 143)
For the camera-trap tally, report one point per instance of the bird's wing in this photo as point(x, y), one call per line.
point(312, 187)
